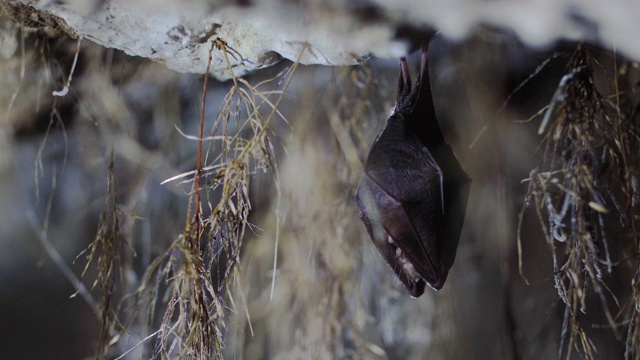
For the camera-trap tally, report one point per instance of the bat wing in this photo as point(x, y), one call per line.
point(388, 226)
point(401, 197)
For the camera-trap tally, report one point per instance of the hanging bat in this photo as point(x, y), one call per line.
point(413, 193)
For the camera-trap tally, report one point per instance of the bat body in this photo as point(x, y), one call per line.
point(413, 193)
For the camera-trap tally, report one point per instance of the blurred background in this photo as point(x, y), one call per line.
point(127, 125)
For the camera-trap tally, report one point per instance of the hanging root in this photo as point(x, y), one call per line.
point(586, 182)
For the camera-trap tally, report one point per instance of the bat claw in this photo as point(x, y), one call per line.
point(404, 81)
point(423, 59)
point(404, 68)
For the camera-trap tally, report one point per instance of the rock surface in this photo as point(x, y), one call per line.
point(335, 33)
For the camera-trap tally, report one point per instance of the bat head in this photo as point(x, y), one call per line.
point(368, 197)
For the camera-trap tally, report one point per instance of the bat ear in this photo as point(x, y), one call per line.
point(404, 82)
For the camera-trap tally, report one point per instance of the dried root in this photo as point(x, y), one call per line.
point(587, 181)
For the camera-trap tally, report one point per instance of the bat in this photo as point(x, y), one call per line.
point(413, 192)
